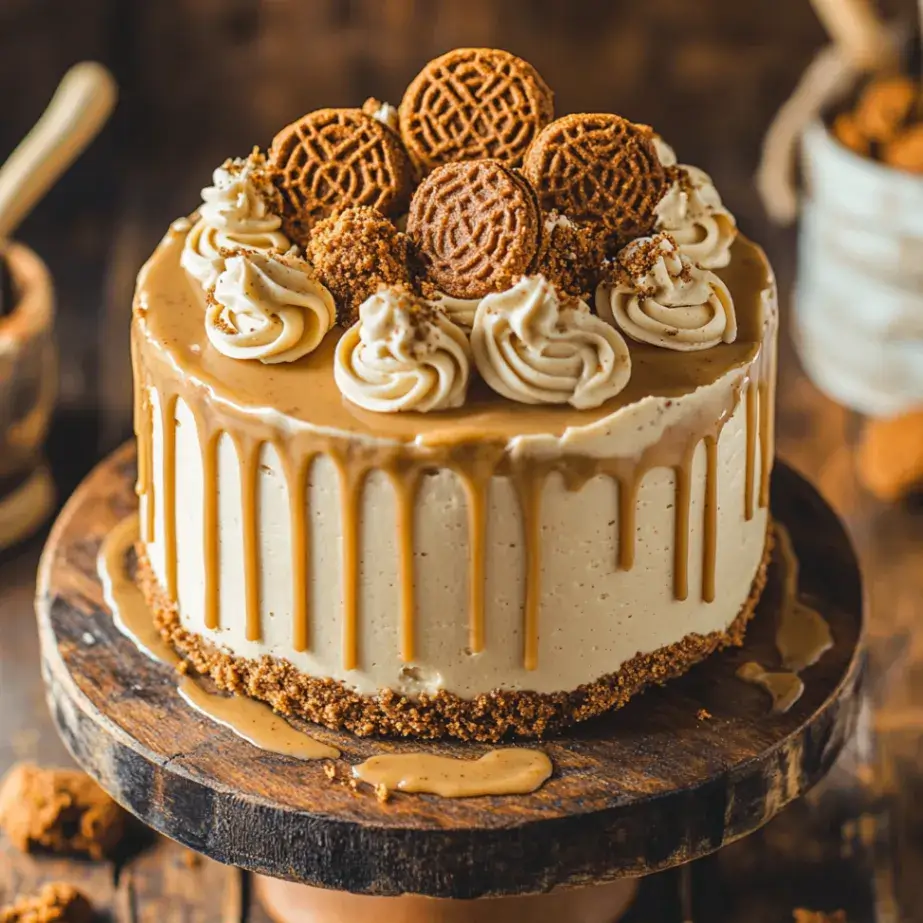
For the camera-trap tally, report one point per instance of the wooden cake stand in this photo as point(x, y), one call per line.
point(677, 774)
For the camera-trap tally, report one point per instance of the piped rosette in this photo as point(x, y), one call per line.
point(534, 347)
point(239, 210)
point(403, 354)
point(692, 212)
point(657, 295)
point(267, 306)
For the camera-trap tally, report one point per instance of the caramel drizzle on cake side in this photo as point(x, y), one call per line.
point(158, 382)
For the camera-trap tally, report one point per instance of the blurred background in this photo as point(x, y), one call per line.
point(201, 80)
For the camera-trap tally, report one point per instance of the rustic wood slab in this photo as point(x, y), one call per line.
point(647, 788)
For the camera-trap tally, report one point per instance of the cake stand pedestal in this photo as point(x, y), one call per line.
point(677, 774)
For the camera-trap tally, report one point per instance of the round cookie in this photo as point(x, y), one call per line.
point(476, 226)
point(598, 168)
point(474, 103)
point(333, 159)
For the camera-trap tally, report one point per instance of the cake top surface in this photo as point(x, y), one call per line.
point(307, 392)
point(495, 269)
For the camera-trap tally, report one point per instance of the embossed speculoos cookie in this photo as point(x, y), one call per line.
point(474, 103)
point(598, 168)
point(476, 226)
point(333, 159)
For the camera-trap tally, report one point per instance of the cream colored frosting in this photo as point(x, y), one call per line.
point(460, 311)
point(665, 152)
point(532, 348)
point(233, 214)
point(661, 297)
point(693, 214)
point(269, 307)
point(387, 115)
point(403, 354)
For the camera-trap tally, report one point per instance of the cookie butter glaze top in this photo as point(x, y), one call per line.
point(303, 395)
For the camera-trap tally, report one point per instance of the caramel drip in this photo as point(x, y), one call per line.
point(510, 771)
point(683, 476)
point(628, 504)
point(143, 426)
point(476, 494)
point(352, 481)
point(257, 723)
point(803, 635)
point(529, 486)
point(130, 612)
point(751, 447)
point(252, 720)
point(208, 443)
point(296, 476)
point(767, 392)
point(710, 526)
point(168, 425)
point(785, 688)
point(405, 492)
point(248, 458)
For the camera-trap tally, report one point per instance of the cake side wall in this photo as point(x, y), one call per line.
point(591, 615)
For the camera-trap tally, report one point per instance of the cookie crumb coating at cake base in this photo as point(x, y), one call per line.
point(486, 718)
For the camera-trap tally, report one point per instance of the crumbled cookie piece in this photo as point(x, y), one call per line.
point(355, 252)
point(55, 903)
point(801, 915)
point(572, 255)
point(849, 134)
point(59, 810)
point(884, 107)
point(890, 456)
point(906, 151)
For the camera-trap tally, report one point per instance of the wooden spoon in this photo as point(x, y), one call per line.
point(855, 26)
point(78, 110)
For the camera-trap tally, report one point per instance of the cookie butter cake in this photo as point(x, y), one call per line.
point(455, 418)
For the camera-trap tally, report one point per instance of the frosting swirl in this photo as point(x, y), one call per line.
point(691, 211)
point(533, 348)
point(267, 306)
point(665, 152)
point(236, 212)
point(659, 296)
point(460, 311)
point(403, 354)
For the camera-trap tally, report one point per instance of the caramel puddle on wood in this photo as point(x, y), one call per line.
point(511, 771)
point(803, 635)
point(130, 612)
point(255, 722)
point(785, 688)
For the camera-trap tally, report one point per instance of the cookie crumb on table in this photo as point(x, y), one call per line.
point(55, 903)
point(60, 811)
point(802, 915)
